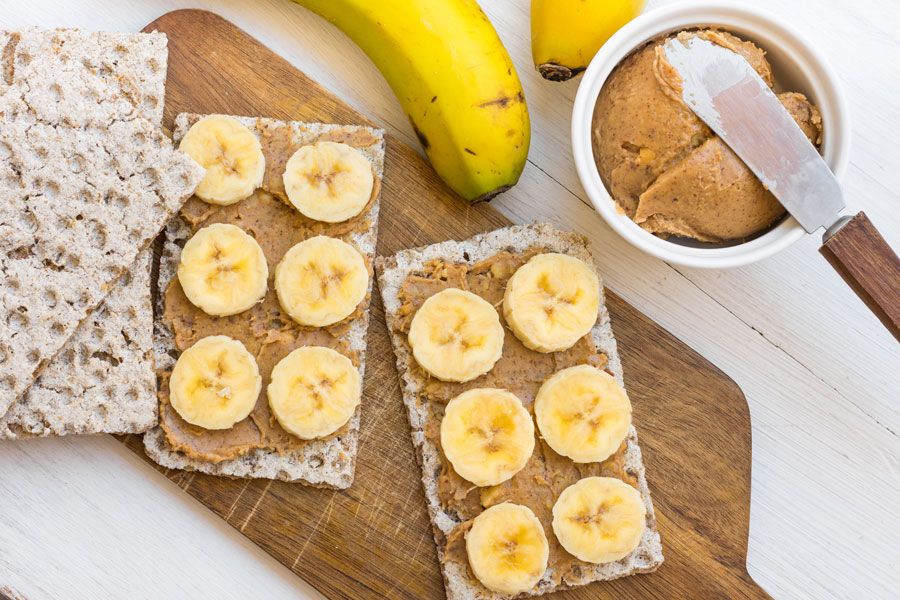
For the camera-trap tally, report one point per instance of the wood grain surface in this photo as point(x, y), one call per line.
point(869, 266)
point(374, 540)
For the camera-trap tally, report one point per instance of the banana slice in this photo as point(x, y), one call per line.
point(456, 335)
point(231, 155)
point(599, 519)
point(583, 413)
point(507, 548)
point(551, 302)
point(320, 281)
point(487, 435)
point(328, 181)
point(314, 391)
point(215, 383)
point(223, 270)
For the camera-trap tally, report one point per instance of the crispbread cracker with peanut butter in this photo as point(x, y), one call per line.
point(392, 272)
point(88, 179)
point(328, 462)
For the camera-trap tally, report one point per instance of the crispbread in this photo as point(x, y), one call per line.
point(102, 381)
point(78, 205)
point(322, 463)
point(392, 271)
point(80, 78)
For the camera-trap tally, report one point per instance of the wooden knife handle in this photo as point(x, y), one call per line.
point(869, 266)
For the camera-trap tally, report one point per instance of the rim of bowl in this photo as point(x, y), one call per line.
point(762, 27)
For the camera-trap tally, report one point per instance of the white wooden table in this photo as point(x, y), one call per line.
point(84, 518)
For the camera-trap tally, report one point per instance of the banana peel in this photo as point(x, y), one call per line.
point(455, 81)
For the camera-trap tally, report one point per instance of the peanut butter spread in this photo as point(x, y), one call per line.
point(664, 167)
point(521, 371)
point(267, 332)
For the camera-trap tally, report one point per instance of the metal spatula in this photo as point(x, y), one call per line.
point(723, 90)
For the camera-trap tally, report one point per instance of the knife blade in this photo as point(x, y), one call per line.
point(722, 88)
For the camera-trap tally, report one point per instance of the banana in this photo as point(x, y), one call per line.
point(566, 34)
point(507, 548)
point(320, 281)
point(487, 435)
point(456, 335)
point(231, 155)
point(314, 391)
point(454, 80)
point(583, 413)
point(328, 181)
point(551, 302)
point(215, 383)
point(223, 270)
point(599, 519)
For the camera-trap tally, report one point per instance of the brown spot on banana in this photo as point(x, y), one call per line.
point(504, 101)
point(421, 136)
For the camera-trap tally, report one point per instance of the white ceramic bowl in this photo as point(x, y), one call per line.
point(797, 65)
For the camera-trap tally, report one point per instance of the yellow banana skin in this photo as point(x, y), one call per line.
point(454, 79)
point(566, 34)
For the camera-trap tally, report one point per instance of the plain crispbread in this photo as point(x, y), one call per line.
point(88, 180)
point(392, 271)
point(102, 381)
point(81, 78)
point(323, 463)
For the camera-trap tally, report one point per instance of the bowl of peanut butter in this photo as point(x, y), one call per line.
point(658, 175)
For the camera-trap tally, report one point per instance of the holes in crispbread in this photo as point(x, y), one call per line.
point(21, 253)
point(106, 357)
point(56, 92)
point(17, 321)
point(28, 222)
point(50, 263)
point(121, 202)
point(133, 394)
point(50, 297)
point(98, 376)
point(83, 301)
point(100, 412)
point(96, 338)
point(96, 232)
point(111, 273)
point(68, 357)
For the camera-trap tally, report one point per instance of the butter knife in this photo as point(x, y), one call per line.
point(723, 90)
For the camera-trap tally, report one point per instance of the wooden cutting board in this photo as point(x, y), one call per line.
point(374, 540)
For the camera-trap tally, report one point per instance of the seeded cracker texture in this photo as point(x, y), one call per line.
point(392, 271)
point(327, 463)
point(87, 179)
